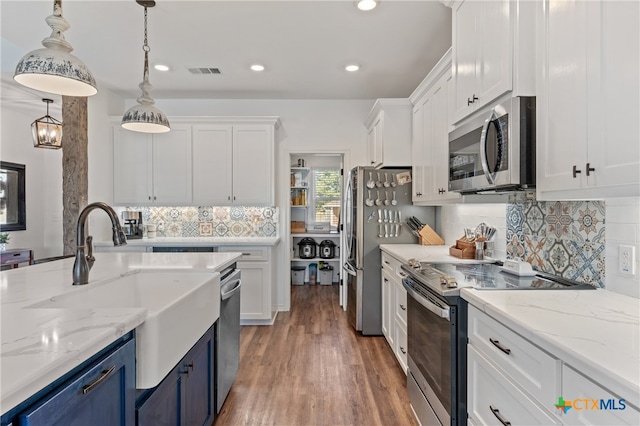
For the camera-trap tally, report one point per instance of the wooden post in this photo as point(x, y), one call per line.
point(75, 181)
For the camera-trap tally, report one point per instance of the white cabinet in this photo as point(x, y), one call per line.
point(389, 133)
point(430, 144)
point(611, 409)
point(509, 378)
point(152, 169)
point(257, 296)
point(394, 308)
point(587, 103)
point(492, 43)
point(233, 164)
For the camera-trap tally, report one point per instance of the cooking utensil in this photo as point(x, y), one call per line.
point(386, 230)
point(398, 229)
point(386, 180)
point(370, 182)
point(393, 180)
point(386, 198)
point(386, 215)
point(369, 200)
point(378, 200)
point(379, 215)
point(379, 182)
point(380, 232)
point(394, 202)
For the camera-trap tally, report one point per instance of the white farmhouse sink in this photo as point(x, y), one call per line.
point(181, 307)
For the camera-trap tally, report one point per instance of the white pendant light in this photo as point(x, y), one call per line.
point(54, 69)
point(47, 131)
point(145, 117)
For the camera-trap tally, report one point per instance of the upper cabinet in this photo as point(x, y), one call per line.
point(201, 161)
point(152, 169)
point(389, 133)
point(493, 45)
point(588, 104)
point(431, 125)
point(233, 164)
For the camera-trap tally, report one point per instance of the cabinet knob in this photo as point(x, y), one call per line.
point(590, 169)
point(373, 162)
point(576, 171)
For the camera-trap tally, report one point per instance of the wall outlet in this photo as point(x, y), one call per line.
point(627, 258)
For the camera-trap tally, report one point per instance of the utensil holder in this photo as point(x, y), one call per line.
point(463, 249)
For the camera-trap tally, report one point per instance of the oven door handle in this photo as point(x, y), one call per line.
point(436, 309)
point(490, 175)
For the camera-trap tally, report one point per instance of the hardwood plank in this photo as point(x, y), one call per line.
point(312, 368)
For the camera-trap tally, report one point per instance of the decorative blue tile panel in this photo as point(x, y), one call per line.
point(212, 221)
point(558, 237)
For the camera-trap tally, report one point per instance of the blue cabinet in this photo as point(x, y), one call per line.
point(101, 394)
point(186, 396)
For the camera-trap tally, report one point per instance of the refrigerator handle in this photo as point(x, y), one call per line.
point(349, 268)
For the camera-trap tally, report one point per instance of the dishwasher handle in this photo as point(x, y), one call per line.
point(230, 288)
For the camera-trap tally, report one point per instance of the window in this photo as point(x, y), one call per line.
point(326, 196)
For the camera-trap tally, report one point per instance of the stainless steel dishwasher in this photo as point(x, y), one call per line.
point(228, 333)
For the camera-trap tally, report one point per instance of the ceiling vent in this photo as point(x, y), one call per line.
point(204, 70)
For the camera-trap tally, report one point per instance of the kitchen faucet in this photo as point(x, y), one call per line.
point(83, 264)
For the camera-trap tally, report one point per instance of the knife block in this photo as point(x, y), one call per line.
point(428, 237)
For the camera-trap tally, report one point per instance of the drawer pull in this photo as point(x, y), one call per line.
point(387, 262)
point(404, 308)
point(403, 350)
point(496, 413)
point(402, 274)
point(497, 344)
point(246, 254)
point(103, 376)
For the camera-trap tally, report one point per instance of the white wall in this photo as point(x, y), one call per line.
point(622, 227)
point(43, 179)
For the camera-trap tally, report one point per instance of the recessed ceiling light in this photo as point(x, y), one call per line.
point(352, 68)
point(161, 67)
point(366, 5)
point(257, 67)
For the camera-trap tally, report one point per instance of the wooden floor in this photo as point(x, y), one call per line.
point(312, 368)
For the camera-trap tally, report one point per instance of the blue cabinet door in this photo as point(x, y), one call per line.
point(198, 383)
point(162, 408)
point(104, 394)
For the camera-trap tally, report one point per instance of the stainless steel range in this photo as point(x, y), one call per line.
point(437, 331)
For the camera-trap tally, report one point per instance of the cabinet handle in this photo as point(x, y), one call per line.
point(496, 413)
point(404, 308)
point(187, 367)
point(590, 169)
point(576, 171)
point(386, 280)
point(441, 191)
point(229, 198)
point(149, 197)
point(419, 194)
point(103, 376)
point(472, 99)
point(373, 162)
point(246, 254)
point(498, 345)
point(402, 274)
point(402, 349)
point(387, 262)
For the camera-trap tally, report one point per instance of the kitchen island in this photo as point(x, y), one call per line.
point(41, 344)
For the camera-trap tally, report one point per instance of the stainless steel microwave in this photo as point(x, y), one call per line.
point(495, 151)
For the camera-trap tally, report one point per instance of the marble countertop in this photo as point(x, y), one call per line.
point(198, 241)
point(41, 345)
point(431, 254)
point(595, 332)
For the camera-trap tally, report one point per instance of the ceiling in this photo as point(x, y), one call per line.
point(304, 45)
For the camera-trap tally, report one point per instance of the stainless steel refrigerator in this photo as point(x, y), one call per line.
point(377, 203)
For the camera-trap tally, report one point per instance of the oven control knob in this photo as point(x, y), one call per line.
point(449, 282)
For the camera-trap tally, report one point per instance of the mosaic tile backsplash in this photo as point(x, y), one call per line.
point(561, 238)
point(211, 221)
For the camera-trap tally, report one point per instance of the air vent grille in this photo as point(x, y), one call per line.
point(203, 70)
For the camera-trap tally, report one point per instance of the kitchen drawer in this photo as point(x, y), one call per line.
point(401, 303)
point(401, 344)
point(492, 398)
point(575, 386)
point(249, 253)
point(392, 264)
point(528, 366)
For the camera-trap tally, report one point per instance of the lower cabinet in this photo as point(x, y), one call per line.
point(394, 308)
point(257, 296)
point(187, 395)
point(101, 394)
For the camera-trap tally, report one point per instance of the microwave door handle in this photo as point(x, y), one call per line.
point(483, 147)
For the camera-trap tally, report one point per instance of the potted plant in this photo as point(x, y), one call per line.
point(4, 240)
